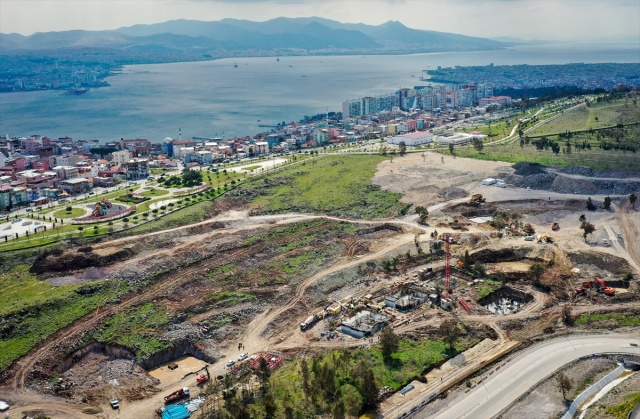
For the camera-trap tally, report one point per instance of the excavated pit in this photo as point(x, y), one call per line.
point(505, 300)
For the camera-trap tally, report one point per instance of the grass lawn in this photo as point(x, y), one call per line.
point(31, 310)
point(334, 185)
point(252, 168)
point(75, 212)
point(594, 158)
point(155, 192)
point(621, 319)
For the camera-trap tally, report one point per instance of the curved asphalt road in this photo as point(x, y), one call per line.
point(533, 365)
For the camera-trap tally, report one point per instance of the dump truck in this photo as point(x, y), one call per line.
point(177, 395)
point(310, 321)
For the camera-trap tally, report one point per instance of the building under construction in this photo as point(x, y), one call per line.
point(364, 324)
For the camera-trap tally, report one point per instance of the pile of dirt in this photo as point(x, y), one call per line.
point(61, 261)
point(528, 169)
point(600, 262)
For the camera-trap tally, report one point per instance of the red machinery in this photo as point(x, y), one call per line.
point(602, 286)
point(465, 305)
point(597, 283)
point(203, 378)
point(177, 395)
point(555, 226)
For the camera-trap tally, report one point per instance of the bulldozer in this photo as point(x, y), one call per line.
point(545, 239)
point(477, 199)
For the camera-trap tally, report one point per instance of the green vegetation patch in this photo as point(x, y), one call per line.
point(622, 410)
point(334, 185)
point(137, 329)
point(31, 310)
point(487, 287)
point(339, 375)
point(621, 319)
point(252, 168)
point(155, 192)
point(75, 212)
point(230, 298)
point(188, 215)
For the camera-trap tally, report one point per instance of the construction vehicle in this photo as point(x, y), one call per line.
point(602, 286)
point(310, 321)
point(555, 226)
point(598, 284)
point(477, 199)
point(177, 395)
point(545, 239)
point(203, 378)
point(583, 288)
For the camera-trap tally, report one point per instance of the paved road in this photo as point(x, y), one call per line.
point(533, 365)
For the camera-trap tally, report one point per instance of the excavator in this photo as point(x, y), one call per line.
point(203, 378)
point(597, 283)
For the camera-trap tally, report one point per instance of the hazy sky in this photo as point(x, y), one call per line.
point(541, 19)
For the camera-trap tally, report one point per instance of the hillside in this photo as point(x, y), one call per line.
point(231, 36)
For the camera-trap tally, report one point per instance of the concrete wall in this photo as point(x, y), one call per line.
point(582, 397)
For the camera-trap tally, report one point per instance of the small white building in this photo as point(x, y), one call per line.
point(412, 139)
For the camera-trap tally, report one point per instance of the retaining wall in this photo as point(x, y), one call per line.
point(582, 397)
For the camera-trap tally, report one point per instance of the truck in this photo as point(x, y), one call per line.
point(177, 395)
point(310, 321)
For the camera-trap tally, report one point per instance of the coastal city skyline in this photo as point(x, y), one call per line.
point(563, 20)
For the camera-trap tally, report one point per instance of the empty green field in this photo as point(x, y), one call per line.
point(333, 185)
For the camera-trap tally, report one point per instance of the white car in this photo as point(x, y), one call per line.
point(115, 404)
point(605, 242)
point(243, 356)
point(230, 363)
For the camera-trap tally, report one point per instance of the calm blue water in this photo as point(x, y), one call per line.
point(212, 98)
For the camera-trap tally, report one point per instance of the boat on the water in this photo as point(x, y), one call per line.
point(75, 92)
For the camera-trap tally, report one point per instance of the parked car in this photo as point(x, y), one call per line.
point(529, 238)
point(243, 356)
point(605, 242)
point(115, 404)
point(230, 363)
point(29, 210)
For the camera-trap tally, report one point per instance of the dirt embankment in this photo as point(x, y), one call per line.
point(571, 180)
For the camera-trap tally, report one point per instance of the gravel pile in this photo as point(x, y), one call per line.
point(563, 184)
point(185, 331)
point(528, 169)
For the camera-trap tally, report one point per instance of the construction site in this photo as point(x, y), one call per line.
point(201, 311)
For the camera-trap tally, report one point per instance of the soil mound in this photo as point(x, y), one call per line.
point(528, 169)
point(69, 261)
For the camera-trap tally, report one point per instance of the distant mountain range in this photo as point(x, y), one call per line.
point(229, 37)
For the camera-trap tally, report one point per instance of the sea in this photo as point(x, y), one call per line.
point(234, 97)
